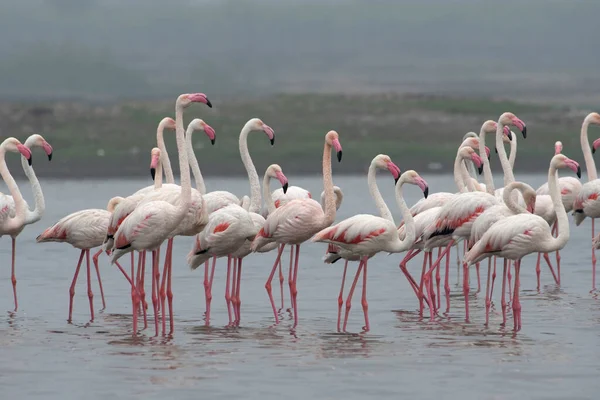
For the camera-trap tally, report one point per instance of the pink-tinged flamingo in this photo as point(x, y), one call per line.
point(31, 216)
point(516, 236)
point(151, 223)
point(83, 230)
point(383, 162)
point(298, 220)
point(367, 235)
point(488, 218)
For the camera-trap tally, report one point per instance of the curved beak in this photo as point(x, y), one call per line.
point(578, 171)
point(25, 152)
point(480, 169)
point(283, 180)
point(423, 185)
point(338, 148)
point(152, 172)
point(521, 125)
point(395, 170)
point(531, 207)
point(595, 145)
point(210, 132)
point(48, 150)
point(270, 133)
point(507, 132)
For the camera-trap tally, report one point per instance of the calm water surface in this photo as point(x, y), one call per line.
point(555, 356)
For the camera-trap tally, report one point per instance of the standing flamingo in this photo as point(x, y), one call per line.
point(367, 235)
point(151, 223)
point(298, 220)
point(586, 203)
point(83, 230)
point(31, 216)
point(514, 237)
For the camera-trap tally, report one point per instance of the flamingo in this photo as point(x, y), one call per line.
point(31, 216)
point(383, 162)
point(493, 215)
point(586, 202)
point(298, 220)
point(83, 230)
point(152, 222)
point(514, 237)
point(367, 235)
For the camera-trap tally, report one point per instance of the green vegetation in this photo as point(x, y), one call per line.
point(114, 139)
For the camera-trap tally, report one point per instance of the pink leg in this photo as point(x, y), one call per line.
point(538, 270)
point(547, 258)
point(227, 295)
point(281, 280)
point(170, 294)
point(155, 277)
point(72, 288)
point(422, 283)
point(516, 302)
point(509, 279)
point(364, 303)
point(593, 259)
point(238, 300)
point(340, 297)
point(89, 284)
point(493, 279)
point(503, 301)
point(206, 278)
point(430, 281)
point(209, 297)
point(291, 273)
point(135, 299)
point(447, 282)
point(349, 298)
point(409, 256)
point(13, 276)
point(95, 260)
point(163, 286)
point(477, 265)
point(487, 293)
point(466, 290)
point(268, 283)
point(295, 287)
point(438, 279)
point(141, 290)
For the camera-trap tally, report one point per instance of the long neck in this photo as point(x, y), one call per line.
point(184, 169)
point(194, 162)
point(508, 172)
point(158, 176)
point(251, 170)
point(328, 187)
point(513, 152)
point(36, 188)
point(487, 171)
point(409, 229)
point(471, 168)
point(459, 177)
point(267, 193)
point(509, 199)
point(20, 206)
point(384, 211)
point(563, 222)
point(164, 156)
point(590, 165)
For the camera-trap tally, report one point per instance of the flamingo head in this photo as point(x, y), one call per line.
point(185, 100)
point(562, 161)
point(593, 118)
point(473, 142)
point(274, 171)
point(39, 141)
point(256, 124)
point(595, 145)
point(529, 196)
point(199, 125)
point(167, 123)
point(332, 138)
point(558, 147)
point(384, 162)
point(509, 118)
point(13, 145)
point(414, 178)
point(467, 153)
point(154, 159)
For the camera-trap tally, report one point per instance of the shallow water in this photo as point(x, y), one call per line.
point(553, 357)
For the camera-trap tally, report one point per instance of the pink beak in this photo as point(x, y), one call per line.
point(507, 132)
point(283, 180)
point(595, 145)
point(338, 148)
point(48, 150)
point(423, 185)
point(210, 132)
point(531, 207)
point(200, 98)
point(25, 152)
point(270, 133)
point(393, 168)
point(521, 126)
point(574, 165)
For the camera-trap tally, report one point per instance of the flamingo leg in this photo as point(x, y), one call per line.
point(268, 283)
point(155, 277)
point(89, 284)
point(447, 283)
point(364, 303)
point(13, 276)
point(170, 294)
point(141, 291)
point(72, 288)
point(438, 279)
point(238, 300)
point(227, 295)
point(135, 300)
point(547, 258)
point(291, 274)
point(509, 275)
point(95, 260)
point(422, 283)
point(558, 258)
point(163, 285)
point(503, 301)
point(282, 279)
point(409, 256)
point(295, 287)
point(593, 259)
point(206, 276)
point(493, 279)
point(487, 293)
point(477, 265)
point(349, 298)
point(538, 270)
point(210, 283)
point(157, 273)
point(466, 290)
point(429, 286)
point(340, 297)
point(516, 302)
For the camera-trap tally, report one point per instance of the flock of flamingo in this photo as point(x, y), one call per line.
point(509, 222)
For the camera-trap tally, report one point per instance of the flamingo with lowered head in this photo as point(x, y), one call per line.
point(514, 237)
point(297, 221)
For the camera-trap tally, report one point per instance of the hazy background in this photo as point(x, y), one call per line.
point(99, 59)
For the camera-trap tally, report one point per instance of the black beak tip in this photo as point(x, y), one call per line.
point(578, 171)
point(489, 157)
point(339, 156)
point(496, 150)
point(509, 136)
point(152, 173)
point(426, 192)
point(593, 150)
point(50, 157)
point(396, 180)
point(272, 140)
point(208, 103)
point(524, 131)
point(212, 141)
point(30, 160)
point(480, 169)
point(285, 188)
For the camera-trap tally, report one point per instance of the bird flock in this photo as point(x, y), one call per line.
point(509, 222)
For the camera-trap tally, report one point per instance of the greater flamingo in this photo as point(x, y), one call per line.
point(297, 221)
point(514, 237)
point(83, 230)
point(31, 216)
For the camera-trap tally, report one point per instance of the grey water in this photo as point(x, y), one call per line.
point(555, 356)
